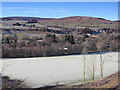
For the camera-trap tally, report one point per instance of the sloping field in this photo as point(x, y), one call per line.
point(80, 21)
point(111, 81)
point(74, 21)
point(38, 72)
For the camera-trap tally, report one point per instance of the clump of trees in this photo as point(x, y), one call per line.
point(16, 24)
point(86, 30)
point(69, 38)
point(32, 21)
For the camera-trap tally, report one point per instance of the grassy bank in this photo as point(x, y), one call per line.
point(8, 83)
point(111, 81)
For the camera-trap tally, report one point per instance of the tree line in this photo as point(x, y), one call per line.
point(52, 45)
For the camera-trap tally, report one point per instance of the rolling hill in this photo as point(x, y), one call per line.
point(26, 18)
point(75, 21)
point(79, 21)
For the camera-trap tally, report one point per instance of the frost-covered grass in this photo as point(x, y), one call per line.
point(41, 71)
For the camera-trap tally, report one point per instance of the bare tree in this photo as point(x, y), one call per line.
point(100, 46)
point(84, 69)
point(101, 65)
point(93, 71)
point(90, 68)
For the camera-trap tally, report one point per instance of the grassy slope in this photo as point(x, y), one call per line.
point(111, 81)
point(12, 83)
point(76, 21)
point(81, 22)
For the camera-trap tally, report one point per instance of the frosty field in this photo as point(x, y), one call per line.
point(41, 71)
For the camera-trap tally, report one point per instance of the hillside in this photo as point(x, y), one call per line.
point(25, 18)
point(79, 21)
point(75, 21)
point(111, 81)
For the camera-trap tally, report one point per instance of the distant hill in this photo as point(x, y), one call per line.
point(79, 21)
point(75, 21)
point(25, 18)
point(117, 21)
